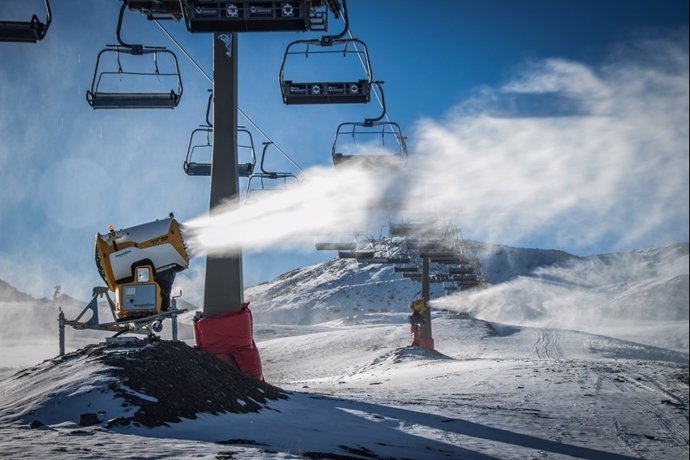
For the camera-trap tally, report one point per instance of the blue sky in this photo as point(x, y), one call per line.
point(548, 124)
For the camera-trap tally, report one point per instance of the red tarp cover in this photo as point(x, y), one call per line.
point(230, 337)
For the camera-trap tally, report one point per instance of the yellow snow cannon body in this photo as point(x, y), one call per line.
point(139, 264)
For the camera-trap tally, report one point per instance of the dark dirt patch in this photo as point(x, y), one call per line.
point(168, 381)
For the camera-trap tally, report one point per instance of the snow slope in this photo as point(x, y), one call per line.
point(355, 389)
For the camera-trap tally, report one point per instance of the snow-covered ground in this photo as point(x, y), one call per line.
point(521, 369)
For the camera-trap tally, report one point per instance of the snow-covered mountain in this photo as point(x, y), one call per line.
point(341, 288)
point(523, 284)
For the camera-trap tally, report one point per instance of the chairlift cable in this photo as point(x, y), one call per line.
point(210, 80)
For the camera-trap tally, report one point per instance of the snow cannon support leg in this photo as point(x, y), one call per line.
point(230, 338)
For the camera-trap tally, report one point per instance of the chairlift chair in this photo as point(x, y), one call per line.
point(26, 31)
point(266, 175)
point(359, 254)
point(334, 246)
point(101, 95)
point(362, 136)
point(339, 242)
point(254, 16)
point(356, 90)
point(364, 131)
point(192, 166)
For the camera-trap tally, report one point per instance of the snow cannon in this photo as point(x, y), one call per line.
point(139, 264)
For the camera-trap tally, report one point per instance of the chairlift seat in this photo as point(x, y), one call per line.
point(461, 271)
point(245, 169)
point(398, 259)
point(326, 93)
point(414, 269)
point(338, 246)
point(99, 100)
point(22, 31)
point(252, 16)
point(26, 31)
point(193, 168)
point(369, 161)
point(356, 254)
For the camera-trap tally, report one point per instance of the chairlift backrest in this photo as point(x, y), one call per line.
point(254, 16)
point(26, 31)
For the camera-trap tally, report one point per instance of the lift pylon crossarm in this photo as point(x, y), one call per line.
point(254, 16)
point(26, 31)
point(327, 92)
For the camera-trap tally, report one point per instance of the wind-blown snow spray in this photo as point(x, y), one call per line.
point(611, 170)
point(327, 200)
point(625, 295)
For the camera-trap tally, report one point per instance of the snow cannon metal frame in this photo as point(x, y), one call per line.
point(139, 264)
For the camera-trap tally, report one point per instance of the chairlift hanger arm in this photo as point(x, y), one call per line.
point(371, 121)
point(137, 48)
point(332, 5)
point(328, 39)
point(263, 157)
point(208, 108)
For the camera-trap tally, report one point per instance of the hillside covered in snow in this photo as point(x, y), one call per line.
point(556, 356)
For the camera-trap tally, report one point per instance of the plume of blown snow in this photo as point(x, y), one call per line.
point(609, 168)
